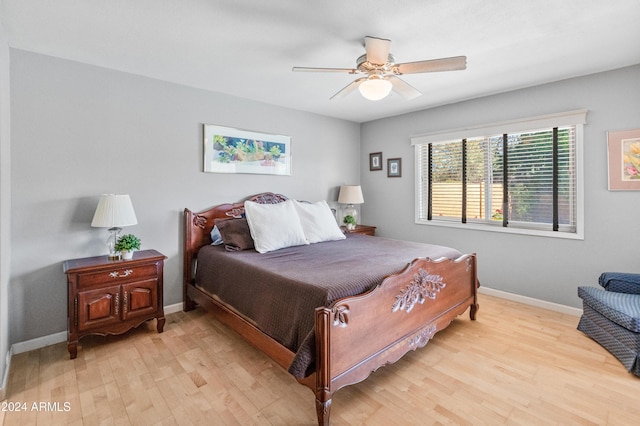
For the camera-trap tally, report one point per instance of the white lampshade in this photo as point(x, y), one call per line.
point(114, 211)
point(375, 88)
point(350, 194)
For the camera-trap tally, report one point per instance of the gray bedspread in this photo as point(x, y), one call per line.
point(279, 290)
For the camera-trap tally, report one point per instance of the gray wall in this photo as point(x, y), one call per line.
point(79, 131)
point(5, 203)
point(543, 268)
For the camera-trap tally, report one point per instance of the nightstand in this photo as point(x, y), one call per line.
point(112, 297)
point(360, 229)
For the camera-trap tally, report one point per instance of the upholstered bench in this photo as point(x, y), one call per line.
point(611, 316)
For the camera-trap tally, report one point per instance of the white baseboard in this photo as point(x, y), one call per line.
point(52, 339)
point(39, 342)
point(172, 309)
point(531, 301)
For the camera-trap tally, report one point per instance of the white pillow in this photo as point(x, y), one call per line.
point(318, 222)
point(274, 226)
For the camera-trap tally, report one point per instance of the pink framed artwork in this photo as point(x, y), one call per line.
point(624, 160)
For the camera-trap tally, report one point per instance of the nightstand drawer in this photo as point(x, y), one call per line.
point(116, 275)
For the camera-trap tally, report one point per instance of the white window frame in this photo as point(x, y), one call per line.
point(575, 118)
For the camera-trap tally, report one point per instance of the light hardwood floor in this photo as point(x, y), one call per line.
point(516, 364)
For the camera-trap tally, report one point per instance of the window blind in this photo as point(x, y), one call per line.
point(514, 179)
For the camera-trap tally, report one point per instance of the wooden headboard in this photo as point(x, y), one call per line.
point(198, 226)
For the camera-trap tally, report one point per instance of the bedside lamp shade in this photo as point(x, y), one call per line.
point(350, 195)
point(113, 212)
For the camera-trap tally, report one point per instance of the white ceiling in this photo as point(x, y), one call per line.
point(246, 48)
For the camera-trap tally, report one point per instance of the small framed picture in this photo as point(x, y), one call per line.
point(394, 167)
point(375, 161)
point(624, 160)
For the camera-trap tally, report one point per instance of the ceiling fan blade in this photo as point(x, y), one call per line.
point(377, 50)
point(348, 88)
point(310, 69)
point(433, 65)
point(403, 88)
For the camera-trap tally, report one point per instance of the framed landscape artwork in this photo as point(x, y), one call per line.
point(229, 150)
point(624, 160)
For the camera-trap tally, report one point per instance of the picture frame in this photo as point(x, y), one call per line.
point(375, 161)
point(394, 167)
point(231, 150)
point(623, 151)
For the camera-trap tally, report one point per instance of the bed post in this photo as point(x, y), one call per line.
point(323, 372)
point(187, 267)
point(475, 306)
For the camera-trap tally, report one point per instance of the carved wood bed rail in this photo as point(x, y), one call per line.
point(354, 335)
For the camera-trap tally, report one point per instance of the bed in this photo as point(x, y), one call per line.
point(350, 306)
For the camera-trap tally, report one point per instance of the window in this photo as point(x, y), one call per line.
point(519, 176)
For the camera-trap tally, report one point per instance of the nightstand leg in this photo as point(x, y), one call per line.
point(73, 349)
point(160, 324)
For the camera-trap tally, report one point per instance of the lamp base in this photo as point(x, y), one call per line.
point(350, 216)
point(114, 233)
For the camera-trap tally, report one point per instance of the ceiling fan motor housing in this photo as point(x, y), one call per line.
point(366, 67)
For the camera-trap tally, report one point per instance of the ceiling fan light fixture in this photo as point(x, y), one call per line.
point(375, 88)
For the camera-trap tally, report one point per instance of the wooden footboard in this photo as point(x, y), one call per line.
point(357, 335)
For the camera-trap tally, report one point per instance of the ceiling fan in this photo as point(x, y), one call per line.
point(381, 71)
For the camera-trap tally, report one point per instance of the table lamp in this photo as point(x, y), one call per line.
point(114, 211)
point(350, 195)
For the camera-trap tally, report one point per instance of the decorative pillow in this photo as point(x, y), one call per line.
point(235, 234)
point(318, 223)
point(620, 282)
point(216, 238)
point(274, 226)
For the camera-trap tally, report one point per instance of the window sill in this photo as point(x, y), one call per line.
point(519, 231)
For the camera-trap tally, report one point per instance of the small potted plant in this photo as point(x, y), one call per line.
point(350, 221)
point(126, 244)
